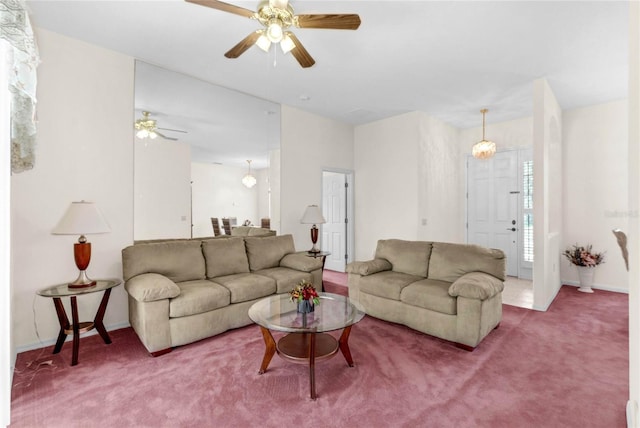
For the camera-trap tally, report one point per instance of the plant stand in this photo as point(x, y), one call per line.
point(586, 278)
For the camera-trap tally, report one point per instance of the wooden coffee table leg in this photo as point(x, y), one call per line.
point(270, 349)
point(312, 364)
point(344, 345)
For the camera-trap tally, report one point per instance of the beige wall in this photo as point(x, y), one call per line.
point(85, 135)
point(309, 143)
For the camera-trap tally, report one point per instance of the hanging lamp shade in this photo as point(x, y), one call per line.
point(483, 149)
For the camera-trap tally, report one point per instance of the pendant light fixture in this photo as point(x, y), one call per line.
point(483, 149)
point(249, 180)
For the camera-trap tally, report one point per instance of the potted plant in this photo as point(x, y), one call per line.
point(306, 296)
point(585, 259)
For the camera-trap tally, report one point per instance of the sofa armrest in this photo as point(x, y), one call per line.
point(150, 287)
point(369, 267)
point(301, 262)
point(476, 285)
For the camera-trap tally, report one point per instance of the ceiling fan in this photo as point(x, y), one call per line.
point(147, 128)
point(277, 16)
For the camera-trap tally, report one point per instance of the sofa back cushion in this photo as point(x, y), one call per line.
point(251, 231)
point(450, 261)
point(225, 257)
point(266, 252)
point(177, 260)
point(410, 257)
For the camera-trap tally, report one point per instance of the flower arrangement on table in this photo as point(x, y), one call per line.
point(583, 256)
point(305, 291)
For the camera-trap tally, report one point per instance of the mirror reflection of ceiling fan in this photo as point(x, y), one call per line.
point(147, 128)
point(277, 16)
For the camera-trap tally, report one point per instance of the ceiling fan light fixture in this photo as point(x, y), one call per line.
point(287, 43)
point(274, 31)
point(483, 149)
point(263, 42)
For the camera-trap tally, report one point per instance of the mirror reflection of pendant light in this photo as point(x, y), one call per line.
point(249, 180)
point(483, 149)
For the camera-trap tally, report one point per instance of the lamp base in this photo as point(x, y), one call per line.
point(82, 281)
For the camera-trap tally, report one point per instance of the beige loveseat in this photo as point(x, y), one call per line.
point(451, 291)
point(181, 291)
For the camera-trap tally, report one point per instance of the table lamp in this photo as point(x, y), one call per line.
point(82, 218)
point(313, 215)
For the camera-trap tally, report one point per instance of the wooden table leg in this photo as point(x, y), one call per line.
point(344, 345)
point(98, 320)
point(64, 324)
point(270, 349)
point(76, 330)
point(312, 364)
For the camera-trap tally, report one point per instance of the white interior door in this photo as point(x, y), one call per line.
point(334, 210)
point(492, 205)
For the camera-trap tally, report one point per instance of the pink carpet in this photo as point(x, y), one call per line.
point(567, 367)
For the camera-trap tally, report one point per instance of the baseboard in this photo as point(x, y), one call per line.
point(632, 408)
point(598, 287)
point(50, 342)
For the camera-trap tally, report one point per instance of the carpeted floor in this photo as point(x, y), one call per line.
point(567, 367)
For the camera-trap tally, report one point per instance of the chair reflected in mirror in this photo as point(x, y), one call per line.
point(215, 222)
point(265, 223)
point(228, 223)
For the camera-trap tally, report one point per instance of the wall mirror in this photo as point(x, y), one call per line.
point(191, 167)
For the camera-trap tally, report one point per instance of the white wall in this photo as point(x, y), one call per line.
point(595, 177)
point(309, 143)
point(6, 294)
point(218, 192)
point(162, 188)
point(85, 135)
point(439, 184)
point(547, 194)
point(386, 181)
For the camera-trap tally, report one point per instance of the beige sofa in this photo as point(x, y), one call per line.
point(181, 291)
point(451, 291)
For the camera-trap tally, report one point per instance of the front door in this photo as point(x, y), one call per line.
point(492, 205)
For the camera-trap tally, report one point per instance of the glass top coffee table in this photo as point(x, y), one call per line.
point(307, 340)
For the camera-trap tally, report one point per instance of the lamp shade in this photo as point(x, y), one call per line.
point(312, 215)
point(81, 218)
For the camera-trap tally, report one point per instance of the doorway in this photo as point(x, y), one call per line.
point(337, 209)
point(500, 207)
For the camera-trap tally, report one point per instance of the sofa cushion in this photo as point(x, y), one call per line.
point(251, 231)
point(266, 252)
point(150, 287)
point(410, 257)
point(286, 279)
point(177, 260)
point(247, 286)
point(225, 257)
point(430, 294)
point(197, 297)
point(387, 284)
point(450, 261)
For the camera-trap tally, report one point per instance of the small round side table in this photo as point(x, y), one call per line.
point(57, 292)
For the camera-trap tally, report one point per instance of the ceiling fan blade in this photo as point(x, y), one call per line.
point(347, 21)
point(165, 137)
point(244, 44)
point(300, 53)
point(225, 7)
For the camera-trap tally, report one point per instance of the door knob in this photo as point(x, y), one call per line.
point(513, 229)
